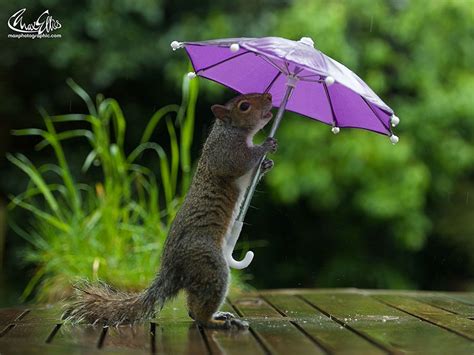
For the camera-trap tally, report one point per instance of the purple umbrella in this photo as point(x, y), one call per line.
point(301, 79)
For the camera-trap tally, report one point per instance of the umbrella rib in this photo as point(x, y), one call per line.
point(223, 61)
point(272, 82)
point(330, 103)
point(271, 62)
point(377, 115)
point(308, 76)
point(310, 80)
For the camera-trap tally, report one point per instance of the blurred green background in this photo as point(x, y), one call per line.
point(337, 211)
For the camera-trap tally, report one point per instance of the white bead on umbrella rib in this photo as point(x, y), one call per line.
point(175, 45)
point(394, 120)
point(394, 139)
point(191, 75)
point(329, 80)
point(234, 47)
point(335, 130)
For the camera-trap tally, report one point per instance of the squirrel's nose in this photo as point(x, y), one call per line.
point(268, 96)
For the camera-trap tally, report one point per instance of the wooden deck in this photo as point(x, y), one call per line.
point(296, 322)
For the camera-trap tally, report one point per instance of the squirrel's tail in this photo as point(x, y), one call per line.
point(99, 303)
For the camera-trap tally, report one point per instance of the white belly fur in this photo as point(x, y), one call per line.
point(242, 183)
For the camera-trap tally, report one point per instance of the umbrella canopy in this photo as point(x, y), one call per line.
point(301, 79)
point(324, 89)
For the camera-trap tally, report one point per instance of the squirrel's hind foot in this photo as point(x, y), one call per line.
point(216, 316)
point(223, 315)
point(233, 323)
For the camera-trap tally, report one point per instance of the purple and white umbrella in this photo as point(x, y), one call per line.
point(301, 79)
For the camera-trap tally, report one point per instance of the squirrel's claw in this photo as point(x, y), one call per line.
point(271, 144)
point(234, 323)
point(267, 165)
point(223, 315)
point(239, 324)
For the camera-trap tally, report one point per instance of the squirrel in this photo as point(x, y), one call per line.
point(193, 257)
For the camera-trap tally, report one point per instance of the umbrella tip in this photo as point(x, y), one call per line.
point(175, 45)
point(394, 120)
point(307, 40)
point(191, 75)
point(234, 47)
point(335, 130)
point(394, 139)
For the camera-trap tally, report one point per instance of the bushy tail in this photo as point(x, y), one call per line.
point(99, 303)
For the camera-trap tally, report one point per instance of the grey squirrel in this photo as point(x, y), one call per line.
point(193, 257)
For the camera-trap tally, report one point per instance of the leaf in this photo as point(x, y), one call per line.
point(174, 155)
point(84, 133)
point(42, 215)
point(83, 95)
point(155, 119)
point(27, 167)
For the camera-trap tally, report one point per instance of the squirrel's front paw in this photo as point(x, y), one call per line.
point(271, 145)
point(267, 165)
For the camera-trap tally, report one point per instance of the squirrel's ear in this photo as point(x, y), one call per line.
point(221, 112)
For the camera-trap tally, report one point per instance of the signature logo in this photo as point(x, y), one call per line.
point(41, 28)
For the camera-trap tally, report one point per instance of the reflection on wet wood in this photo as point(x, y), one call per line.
point(453, 322)
point(331, 335)
point(179, 338)
point(448, 304)
point(8, 316)
point(137, 338)
point(281, 322)
point(386, 326)
point(274, 330)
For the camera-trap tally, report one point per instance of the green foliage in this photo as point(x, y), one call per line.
point(346, 210)
point(114, 230)
point(417, 56)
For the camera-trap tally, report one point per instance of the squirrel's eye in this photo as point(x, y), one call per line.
point(244, 106)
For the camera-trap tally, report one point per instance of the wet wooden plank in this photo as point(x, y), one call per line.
point(137, 338)
point(32, 326)
point(42, 315)
point(19, 347)
point(467, 297)
point(395, 330)
point(438, 316)
point(275, 332)
point(329, 334)
point(179, 337)
point(8, 316)
point(30, 333)
point(335, 321)
point(448, 304)
point(218, 341)
point(232, 342)
point(255, 307)
point(78, 334)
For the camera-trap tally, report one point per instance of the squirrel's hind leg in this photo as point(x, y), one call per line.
point(206, 287)
point(206, 314)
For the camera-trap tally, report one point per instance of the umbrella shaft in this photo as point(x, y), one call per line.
point(256, 174)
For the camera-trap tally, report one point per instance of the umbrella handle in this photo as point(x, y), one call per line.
point(230, 241)
point(233, 235)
